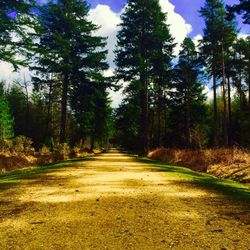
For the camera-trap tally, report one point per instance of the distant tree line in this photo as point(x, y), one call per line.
point(165, 102)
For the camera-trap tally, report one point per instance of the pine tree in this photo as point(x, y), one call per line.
point(91, 108)
point(187, 96)
point(68, 48)
point(6, 120)
point(219, 35)
point(17, 101)
point(243, 8)
point(240, 80)
point(127, 118)
point(15, 17)
point(144, 50)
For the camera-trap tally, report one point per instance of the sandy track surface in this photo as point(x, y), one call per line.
point(114, 202)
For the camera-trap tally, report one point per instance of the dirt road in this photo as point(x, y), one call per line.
point(115, 202)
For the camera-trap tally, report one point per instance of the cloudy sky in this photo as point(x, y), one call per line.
point(183, 18)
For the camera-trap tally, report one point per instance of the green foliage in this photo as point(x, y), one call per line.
point(6, 119)
point(143, 55)
point(17, 102)
point(187, 97)
point(242, 8)
point(127, 124)
point(68, 49)
point(92, 111)
point(164, 105)
point(15, 17)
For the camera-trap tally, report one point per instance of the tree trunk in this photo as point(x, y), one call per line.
point(230, 139)
point(144, 127)
point(48, 120)
point(159, 121)
point(64, 108)
point(165, 127)
point(27, 106)
point(151, 135)
point(241, 109)
point(188, 113)
point(144, 117)
point(215, 110)
point(249, 86)
point(225, 123)
point(92, 143)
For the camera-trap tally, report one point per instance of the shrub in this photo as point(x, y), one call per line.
point(201, 159)
point(198, 137)
point(75, 152)
point(22, 144)
point(62, 151)
point(14, 161)
point(5, 145)
point(44, 150)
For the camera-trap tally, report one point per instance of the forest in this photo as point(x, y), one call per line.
point(165, 103)
point(168, 168)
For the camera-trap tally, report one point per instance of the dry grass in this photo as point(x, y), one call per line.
point(231, 163)
point(14, 160)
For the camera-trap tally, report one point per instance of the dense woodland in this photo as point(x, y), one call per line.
point(165, 102)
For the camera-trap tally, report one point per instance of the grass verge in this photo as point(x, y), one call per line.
point(9, 179)
point(229, 188)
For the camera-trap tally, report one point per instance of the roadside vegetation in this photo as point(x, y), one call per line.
point(63, 110)
point(224, 163)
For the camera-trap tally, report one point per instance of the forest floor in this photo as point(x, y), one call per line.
point(117, 201)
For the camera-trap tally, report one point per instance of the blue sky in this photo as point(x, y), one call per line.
point(188, 9)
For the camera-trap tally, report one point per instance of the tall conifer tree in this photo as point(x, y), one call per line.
point(68, 48)
point(144, 50)
point(219, 35)
point(187, 98)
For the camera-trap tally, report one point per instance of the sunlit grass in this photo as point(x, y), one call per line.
point(11, 178)
point(187, 176)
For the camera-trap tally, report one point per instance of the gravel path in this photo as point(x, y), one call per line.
point(116, 202)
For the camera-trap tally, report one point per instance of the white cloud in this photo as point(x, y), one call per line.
point(242, 36)
point(6, 71)
point(197, 40)
point(115, 96)
point(9, 76)
point(108, 22)
point(209, 93)
point(179, 28)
